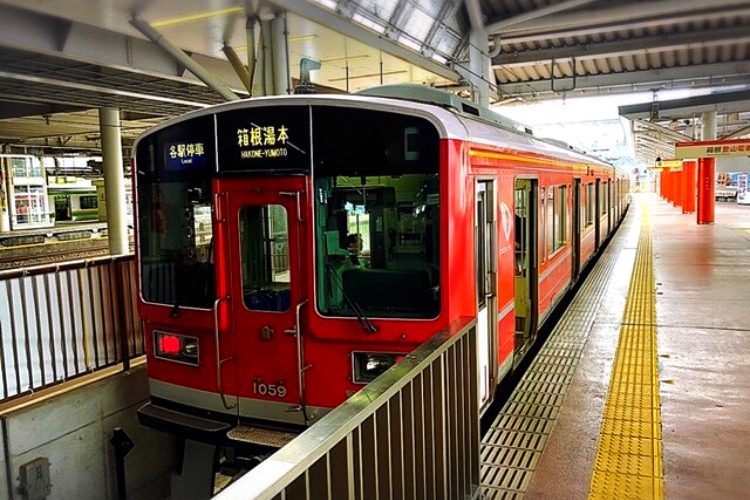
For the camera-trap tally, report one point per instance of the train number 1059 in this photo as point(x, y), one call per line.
point(273, 390)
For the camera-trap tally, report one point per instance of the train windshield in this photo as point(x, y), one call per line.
point(377, 207)
point(174, 168)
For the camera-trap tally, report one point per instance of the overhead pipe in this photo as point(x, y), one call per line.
point(181, 57)
point(238, 66)
point(250, 41)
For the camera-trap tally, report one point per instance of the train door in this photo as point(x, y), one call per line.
point(597, 211)
point(263, 231)
point(576, 228)
point(485, 232)
point(526, 264)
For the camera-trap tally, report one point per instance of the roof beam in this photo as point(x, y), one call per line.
point(97, 88)
point(658, 11)
point(646, 45)
point(738, 134)
point(347, 27)
point(585, 26)
point(646, 80)
point(498, 26)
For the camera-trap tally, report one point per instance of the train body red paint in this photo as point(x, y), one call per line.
point(292, 248)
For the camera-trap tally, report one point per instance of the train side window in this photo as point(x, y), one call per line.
point(561, 221)
point(264, 250)
point(590, 200)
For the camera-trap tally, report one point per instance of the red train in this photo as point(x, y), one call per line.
point(292, 248)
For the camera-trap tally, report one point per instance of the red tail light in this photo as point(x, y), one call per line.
point(174, 347)
point(169, 344)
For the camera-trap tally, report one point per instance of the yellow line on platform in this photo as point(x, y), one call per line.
point(629, 456)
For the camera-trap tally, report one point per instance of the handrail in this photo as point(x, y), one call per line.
point(63, 266)
point(443, 372)
point(61, 321)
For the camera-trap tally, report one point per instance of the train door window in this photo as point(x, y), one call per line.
point(581, 208)
point(479, 237)
point(561, 220)
point(264, 250)
point(590, 200)
point(603, 198)
point(522, 212)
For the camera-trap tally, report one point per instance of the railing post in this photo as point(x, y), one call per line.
point(120, 327)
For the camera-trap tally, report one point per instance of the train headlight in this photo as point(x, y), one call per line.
point(367, 366)
point(177, 348)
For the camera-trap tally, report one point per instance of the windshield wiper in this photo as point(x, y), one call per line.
point(355, 307)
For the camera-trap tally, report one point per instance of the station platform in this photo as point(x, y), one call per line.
point(642, 390)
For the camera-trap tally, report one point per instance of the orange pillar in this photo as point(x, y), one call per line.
point(706, 184)
point(661, 183)
point(688, 183)
point(668, 185)
point(678, 200)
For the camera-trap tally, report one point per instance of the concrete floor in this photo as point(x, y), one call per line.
point(703, 291)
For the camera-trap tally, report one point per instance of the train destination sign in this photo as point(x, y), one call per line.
point(265, 140)
point(712, 149)
point(185, 154)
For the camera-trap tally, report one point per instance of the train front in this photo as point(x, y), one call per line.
point(289, 250)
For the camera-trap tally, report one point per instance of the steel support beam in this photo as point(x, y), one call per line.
point(184, 59)
point(347, 27)
point(647, 45)
point(73, 41)
point(632, 81)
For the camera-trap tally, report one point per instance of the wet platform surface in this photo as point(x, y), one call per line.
point(701, 286)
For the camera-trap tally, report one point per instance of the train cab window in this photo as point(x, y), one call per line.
point(264, 251)
point(174, 209)
point(377, 207)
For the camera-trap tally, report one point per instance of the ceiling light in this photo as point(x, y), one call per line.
point(197, 17)
point(302, 38)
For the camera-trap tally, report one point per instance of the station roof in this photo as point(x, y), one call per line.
point(59, 60)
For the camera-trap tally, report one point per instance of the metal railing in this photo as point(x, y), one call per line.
point(411, 433)
point(61, 321)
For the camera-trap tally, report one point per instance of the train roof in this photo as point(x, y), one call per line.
point(453, 117)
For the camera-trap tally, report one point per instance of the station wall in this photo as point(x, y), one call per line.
point(72, 430)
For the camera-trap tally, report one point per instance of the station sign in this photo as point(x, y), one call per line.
point(264, 140)
point(671, 165)
point(712, 149)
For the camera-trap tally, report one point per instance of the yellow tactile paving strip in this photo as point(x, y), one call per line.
point(629, 455)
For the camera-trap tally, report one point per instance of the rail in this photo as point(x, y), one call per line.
point(61, 321)
point(411, 433)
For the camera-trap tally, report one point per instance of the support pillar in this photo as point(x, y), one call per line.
point(667, 186)
point(688, 182)
point(705, 213)
point(114, 181)
point(661, 184)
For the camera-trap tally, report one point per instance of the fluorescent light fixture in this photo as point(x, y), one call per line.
point(189, 18)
